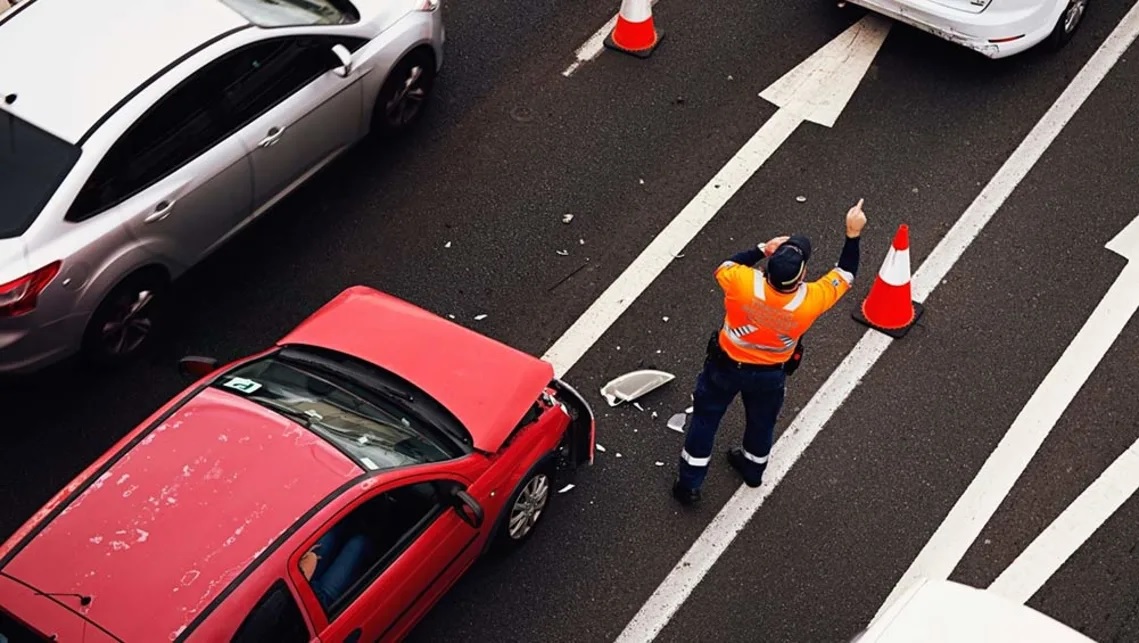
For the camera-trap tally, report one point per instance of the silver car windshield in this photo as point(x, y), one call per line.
point(32, 165)
point(291, 13)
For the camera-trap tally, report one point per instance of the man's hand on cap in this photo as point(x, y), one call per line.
point(855, 220)
point(771, 246)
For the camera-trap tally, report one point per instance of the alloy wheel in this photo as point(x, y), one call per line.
point(128, 324)
point(529, 505)
point(1073, 15)
point(408, 99)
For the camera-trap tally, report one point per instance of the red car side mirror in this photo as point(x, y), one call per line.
point(196, 366)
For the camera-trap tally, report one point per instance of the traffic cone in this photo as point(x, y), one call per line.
point(635, 33)
point(889, 307)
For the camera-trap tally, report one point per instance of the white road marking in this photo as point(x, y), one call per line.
point(818, 100)
point(593, 46)
point(976, 506)
point(1062, 538)
point(1082, 518)
point(718, 535)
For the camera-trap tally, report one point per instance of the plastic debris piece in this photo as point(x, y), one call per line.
point(638, 405)
point(599, 448)
point(567, 217)
point(641, 181)
point(801, 199)
point(617, 454)
point(565, 488)
point(654, 414)
point(730, 77)
point(665, 318)
point(564, 253)
point(450, 316)
point(447, 245)
point(634, 384)
point(581, 241)
point(676, 422)
point(659, 463)
point(689, 410)
point(480, 317)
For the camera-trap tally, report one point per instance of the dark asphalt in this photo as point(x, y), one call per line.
point(511, 145)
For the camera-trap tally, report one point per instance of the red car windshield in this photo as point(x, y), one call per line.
point(375, 432)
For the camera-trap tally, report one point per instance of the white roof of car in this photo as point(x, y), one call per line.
point(949, 612)
point(70, 61)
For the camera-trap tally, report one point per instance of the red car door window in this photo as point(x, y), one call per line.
point(388, 558)
point(276, 617)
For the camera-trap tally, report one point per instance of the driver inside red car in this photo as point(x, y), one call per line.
point(332, 565)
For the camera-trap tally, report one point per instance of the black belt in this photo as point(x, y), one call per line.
point(716, 353)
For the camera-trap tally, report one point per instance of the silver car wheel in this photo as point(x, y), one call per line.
point(408, 100)
point(529, 505)
point(129, 325)
point(1073, 15)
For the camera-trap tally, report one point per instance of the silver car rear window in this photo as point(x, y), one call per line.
point(32, 165)
point(292, 13)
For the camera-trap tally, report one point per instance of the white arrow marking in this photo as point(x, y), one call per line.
point(818, 102)
point(792, 443)
point(1098, 502)
point(1007, 462)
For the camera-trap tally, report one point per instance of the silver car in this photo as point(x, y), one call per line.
point(137, 136)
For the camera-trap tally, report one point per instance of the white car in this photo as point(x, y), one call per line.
point(995, 28)
point(949, 612)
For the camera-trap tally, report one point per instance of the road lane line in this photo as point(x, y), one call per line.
point(976, 506)
point(816, 90)
point(593, 46)
point(714, 541)
point(1052, 548)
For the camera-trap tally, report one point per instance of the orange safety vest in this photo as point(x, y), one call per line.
point(761, 324)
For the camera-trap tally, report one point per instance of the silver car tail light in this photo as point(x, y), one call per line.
point(19, 297)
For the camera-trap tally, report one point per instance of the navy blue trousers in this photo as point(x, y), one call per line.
point(717, 385)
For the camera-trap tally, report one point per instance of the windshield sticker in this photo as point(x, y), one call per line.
point(242, 384)
point(368, 463)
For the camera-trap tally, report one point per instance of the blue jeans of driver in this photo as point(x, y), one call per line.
point(762, 391)
point(339, 566)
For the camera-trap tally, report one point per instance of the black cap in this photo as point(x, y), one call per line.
point(787, 266)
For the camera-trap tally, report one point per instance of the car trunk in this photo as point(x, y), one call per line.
point(968, 6)
point(13, 260)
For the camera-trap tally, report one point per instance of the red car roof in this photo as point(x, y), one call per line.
point(487, 385)
point(181, 514)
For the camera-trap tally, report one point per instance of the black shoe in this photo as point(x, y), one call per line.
point(737, 460)
point(685, 495)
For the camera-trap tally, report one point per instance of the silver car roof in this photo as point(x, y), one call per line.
point(71, 62)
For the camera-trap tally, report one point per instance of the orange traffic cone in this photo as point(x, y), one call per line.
point(889, 307)
point(635, 33)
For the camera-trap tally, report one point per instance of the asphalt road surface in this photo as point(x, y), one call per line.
point(511, 145)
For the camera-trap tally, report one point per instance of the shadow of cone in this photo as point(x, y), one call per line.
point(889, 307)
point(635, 33)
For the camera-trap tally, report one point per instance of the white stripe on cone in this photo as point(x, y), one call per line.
point(895, 270)
point(636, 10)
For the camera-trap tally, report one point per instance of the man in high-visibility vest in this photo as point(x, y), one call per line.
point(766, 313)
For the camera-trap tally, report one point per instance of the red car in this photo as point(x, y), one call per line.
point(330, 488)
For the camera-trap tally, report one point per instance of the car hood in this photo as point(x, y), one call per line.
point(487, 385)
point(13, 260)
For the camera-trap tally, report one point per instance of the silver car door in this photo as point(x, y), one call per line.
point(178, 178)
point(299, 114)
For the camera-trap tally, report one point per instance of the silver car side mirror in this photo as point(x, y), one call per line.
point(345, 57)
